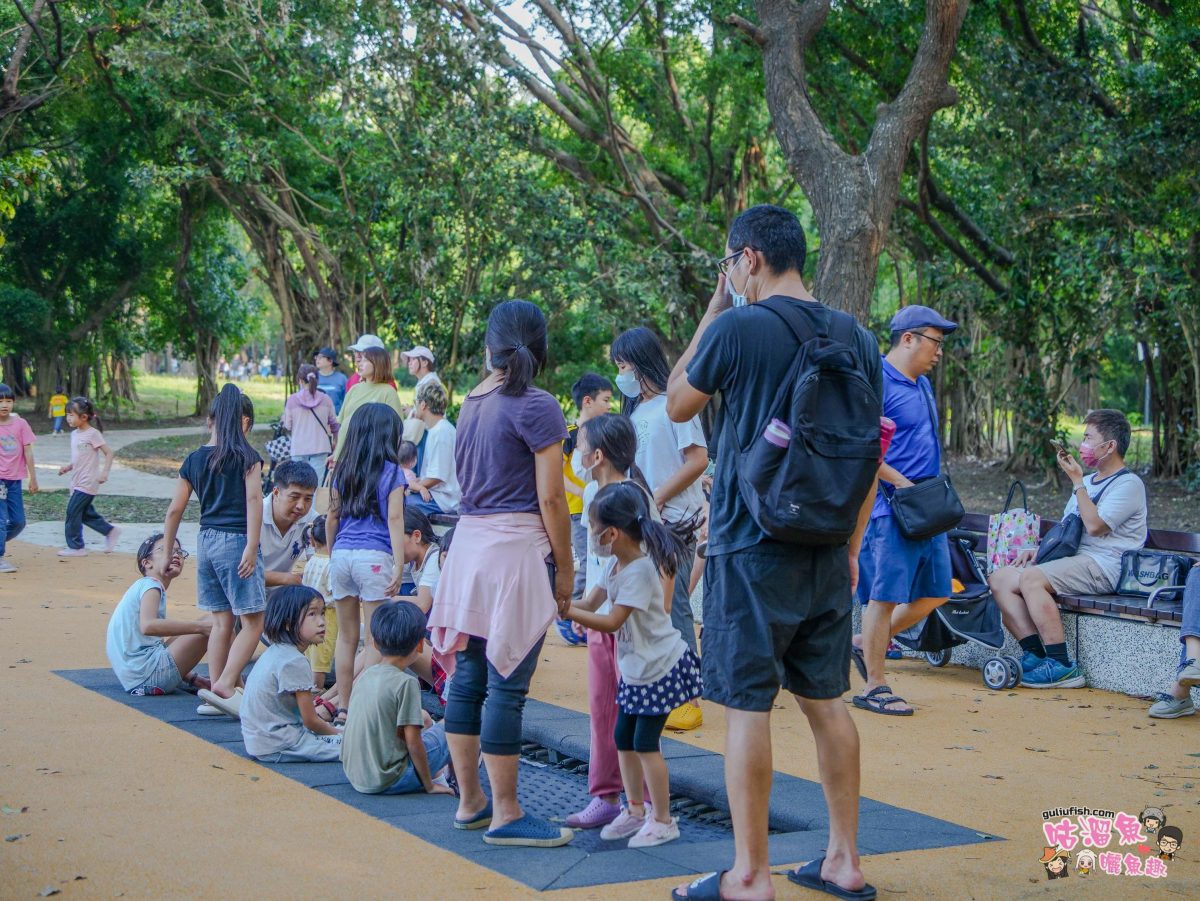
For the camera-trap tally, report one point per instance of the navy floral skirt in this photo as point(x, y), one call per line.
point(681, 684)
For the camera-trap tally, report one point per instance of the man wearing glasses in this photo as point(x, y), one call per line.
point(775, 614)
point(902, 580)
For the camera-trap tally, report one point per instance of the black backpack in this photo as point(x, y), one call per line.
point(811, 491)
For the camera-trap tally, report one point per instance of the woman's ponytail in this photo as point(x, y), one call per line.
point(307, 376)
point(228, 409)
point(516, 340)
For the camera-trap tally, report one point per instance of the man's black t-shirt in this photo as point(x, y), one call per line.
point(222, 494)
point(745, 355)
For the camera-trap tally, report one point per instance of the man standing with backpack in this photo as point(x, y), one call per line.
point(780, 569)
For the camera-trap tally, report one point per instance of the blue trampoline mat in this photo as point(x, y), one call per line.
point(798, 817)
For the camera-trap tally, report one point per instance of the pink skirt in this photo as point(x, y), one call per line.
point(495, 586)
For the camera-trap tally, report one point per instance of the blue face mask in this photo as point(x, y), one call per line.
point(627, 382)
point(739, 300)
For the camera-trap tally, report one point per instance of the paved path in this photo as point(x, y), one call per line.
point(51, 452)
point(49, 534)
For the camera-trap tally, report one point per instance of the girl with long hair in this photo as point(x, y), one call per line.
point(366, 527)
point(225, 474)
point(673, 456)
point(493, 605)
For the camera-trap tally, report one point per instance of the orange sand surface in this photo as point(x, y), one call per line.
point(122, 805)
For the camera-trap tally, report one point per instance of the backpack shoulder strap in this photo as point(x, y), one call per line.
point(802, 327)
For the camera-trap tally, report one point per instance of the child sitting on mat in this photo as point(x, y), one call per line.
point(279, 722)
point(144, 662)
point(385, 750)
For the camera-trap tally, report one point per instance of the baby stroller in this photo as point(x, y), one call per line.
point(969, 615)
point(279, 450)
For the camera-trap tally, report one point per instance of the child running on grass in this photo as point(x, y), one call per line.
point(225, 475)
point(385, 749)
point(150, 654)
point(366, 525)
point(279, 722)
point(16, 462)
point(87, 475)
point(658, 670)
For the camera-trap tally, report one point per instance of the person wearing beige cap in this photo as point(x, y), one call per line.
point(420, 362)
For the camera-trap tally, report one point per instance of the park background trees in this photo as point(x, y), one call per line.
point(1030, 168)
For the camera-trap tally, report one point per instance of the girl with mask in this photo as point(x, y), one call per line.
point(673, 456)
point(657, 670)
point(604, 455)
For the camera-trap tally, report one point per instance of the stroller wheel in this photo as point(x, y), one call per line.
point(996, 673)
point(938, 658)
point(1014, 670)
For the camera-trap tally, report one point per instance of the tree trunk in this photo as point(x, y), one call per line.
point(852, 196)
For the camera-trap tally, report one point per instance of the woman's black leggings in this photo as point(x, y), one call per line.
point(639, 732)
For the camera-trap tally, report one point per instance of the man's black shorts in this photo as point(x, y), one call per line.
point(776, 615)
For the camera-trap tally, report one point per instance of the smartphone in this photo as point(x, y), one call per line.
point(1059, 447)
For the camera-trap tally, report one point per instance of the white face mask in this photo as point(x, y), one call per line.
point(627, 382)
point(585, 474)
point(487, 359)
point(738, 300)
point(598, 550)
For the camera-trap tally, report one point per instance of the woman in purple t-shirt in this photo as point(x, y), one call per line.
point(509, 574)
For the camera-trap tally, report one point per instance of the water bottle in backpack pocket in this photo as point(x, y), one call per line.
point(808, 470)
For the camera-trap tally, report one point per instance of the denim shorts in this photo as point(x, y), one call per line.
point(362, 574)
point(898, 570)
point(218, 584)
point(164, 676)
point(437, 751)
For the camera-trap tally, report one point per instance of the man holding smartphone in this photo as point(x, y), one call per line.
point(1112, 504)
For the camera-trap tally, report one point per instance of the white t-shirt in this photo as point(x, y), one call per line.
point(281, 550)
point(660, 447)
point(431, 569)
point(648, 645)
point(438, 463)
point(1123, 509)
point(316, 575)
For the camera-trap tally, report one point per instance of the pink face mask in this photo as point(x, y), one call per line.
point(1087, 455)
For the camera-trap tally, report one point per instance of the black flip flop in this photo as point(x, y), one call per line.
point(706, 888)
point(809, 876)
point(877, 700)
point(860, 662)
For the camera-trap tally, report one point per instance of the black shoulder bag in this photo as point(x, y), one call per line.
point(931, 506)
point(1064, 539)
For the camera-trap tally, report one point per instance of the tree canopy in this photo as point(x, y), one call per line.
point(1029, 169)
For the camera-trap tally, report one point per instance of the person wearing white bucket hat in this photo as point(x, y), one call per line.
point(357, 348)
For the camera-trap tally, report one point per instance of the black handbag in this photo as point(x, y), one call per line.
point(1143, 572)
point(1064, 539)
point(931, 506)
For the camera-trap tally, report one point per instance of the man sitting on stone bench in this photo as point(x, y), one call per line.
point(1112, 504)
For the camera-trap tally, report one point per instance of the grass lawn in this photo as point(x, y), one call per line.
point(163, 456)
point(51, 506)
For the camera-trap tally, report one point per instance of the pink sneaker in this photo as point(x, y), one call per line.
point(625, 825)
point(72, 552)
point(598, 813)
point(655, 833)
point(110, 540)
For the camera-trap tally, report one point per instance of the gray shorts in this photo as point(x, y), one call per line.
point(311, 748)
point(164, 676)
point(776, 615)
point(360, 573)
point(218, 584)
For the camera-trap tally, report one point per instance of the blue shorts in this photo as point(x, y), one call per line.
point(898, 570)
point(218, 585)
point(437, 750)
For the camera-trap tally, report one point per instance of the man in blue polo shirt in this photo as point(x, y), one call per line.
point(902, 581)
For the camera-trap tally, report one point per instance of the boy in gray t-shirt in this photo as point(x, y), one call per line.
point(384, 748)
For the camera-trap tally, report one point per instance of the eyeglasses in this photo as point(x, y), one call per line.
point(181, 553)
point(725, 264)
point(937, 341)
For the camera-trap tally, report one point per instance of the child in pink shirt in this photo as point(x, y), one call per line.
point(87, 475)
point(16, 462)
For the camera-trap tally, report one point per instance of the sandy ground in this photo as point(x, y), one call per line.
point(122, 805)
